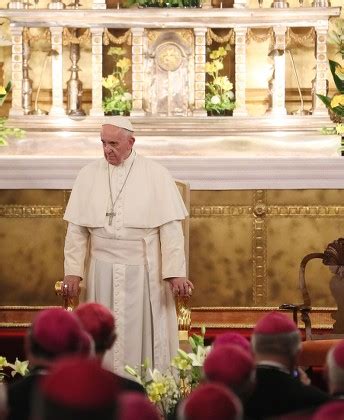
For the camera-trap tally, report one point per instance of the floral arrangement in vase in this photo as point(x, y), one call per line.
point(219, 97)
point(119, 102)
point(335, 104)
point(166, 389)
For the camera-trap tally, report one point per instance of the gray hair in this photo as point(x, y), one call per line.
point(335, 373)
point(284, 344)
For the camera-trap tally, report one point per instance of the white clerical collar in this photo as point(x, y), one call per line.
point(129, 160)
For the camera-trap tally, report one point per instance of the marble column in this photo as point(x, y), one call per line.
point(57, 72)
point(240, 71)
point(15, 4)
point(97, 72)
point(27, 82)
point(17, 71)
point(200, 59)
point(321, 68)
point(137, 71)
point(278, 93)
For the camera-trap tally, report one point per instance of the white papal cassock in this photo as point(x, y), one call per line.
point(124, 263)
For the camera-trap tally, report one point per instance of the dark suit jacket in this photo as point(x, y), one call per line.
point(130, 385)
point(21, 392)
point(277, 393)
point(20, 395)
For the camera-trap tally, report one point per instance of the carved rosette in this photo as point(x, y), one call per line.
point(137, 71)
point(17, 71)
point(321, 68)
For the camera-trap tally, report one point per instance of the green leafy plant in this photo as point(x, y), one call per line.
point(6, 132)
point(219, 97)
point(336, 37)
point(166, 389)
point(335, 104)
point(120, 100)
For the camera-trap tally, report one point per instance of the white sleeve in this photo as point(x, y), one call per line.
point(172, 250)
point(75, 250)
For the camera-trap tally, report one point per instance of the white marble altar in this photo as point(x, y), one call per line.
point(211, 154)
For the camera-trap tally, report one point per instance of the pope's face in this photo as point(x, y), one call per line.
point(117, 143)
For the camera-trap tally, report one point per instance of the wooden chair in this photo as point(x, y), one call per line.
point(316, 346)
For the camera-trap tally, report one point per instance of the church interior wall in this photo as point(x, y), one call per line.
point(245, 246)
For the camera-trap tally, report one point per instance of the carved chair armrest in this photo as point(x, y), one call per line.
point(305, 318)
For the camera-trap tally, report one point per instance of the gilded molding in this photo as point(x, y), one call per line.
point(259, 239)
point(311, 211)
point(220, 325)
point(25, 308)
point(253, 308)
point(22, 312)
point(321, 317)
point(13, 211)
point(246, 326)
point(214, 211)
point(261, 209)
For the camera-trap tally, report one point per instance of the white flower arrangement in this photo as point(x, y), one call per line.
point(166, 389)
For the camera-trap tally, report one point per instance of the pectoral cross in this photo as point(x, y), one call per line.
point(111, 214)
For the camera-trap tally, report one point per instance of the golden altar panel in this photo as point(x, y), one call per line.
point(273, 234)
point(32, 237)
point(220, 260)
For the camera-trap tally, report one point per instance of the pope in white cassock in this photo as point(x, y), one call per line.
point(125, 240)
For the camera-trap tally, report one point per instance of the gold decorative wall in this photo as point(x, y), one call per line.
point(245, 246)
point(32, 235)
